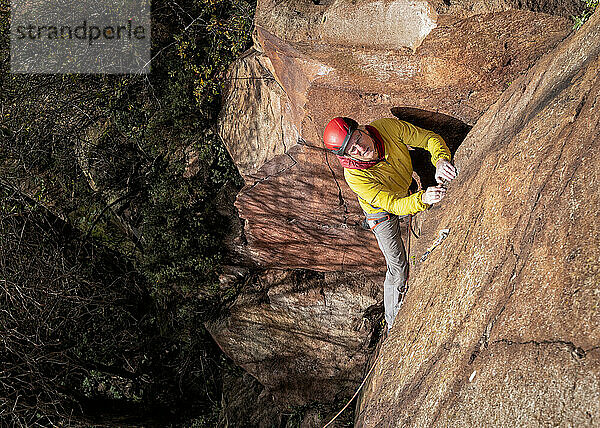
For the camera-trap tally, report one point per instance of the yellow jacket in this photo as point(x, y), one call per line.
point(383, 187)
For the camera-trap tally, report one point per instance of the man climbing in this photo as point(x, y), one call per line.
point(377, 167)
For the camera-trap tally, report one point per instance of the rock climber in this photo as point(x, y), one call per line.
point(377, 167)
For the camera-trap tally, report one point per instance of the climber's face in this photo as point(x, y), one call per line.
point(361, 146)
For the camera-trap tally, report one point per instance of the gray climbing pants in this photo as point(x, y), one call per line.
point(386, 228)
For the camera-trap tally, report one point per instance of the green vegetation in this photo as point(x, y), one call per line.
point(110, 237)
point(590, 7)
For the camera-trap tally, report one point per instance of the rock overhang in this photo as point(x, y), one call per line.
point(386, 23)
point(390, 24)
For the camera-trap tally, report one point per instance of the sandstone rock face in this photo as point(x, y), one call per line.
point(317, 60)
point(305, 337)
point(453, 9)
point(256, 114)
point(304, 215)
point(460, 67)
point(501, 324)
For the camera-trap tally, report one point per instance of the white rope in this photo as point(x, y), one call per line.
point(356, 393)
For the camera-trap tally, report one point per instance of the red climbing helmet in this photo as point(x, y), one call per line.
point(337, 134)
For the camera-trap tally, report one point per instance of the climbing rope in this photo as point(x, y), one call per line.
point(377, 359)
point(410, 216)
point(355, 394)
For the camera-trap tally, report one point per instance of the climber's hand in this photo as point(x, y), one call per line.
point(433, 194)
point(444, 171)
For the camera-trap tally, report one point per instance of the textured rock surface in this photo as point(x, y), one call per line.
point(305, 337)
point(314, 65)
point(358, 23)
point(247, 403)
point(452, 9)
point(256, 114)
point(459, 69)
point(300, 217)
point(501, 325)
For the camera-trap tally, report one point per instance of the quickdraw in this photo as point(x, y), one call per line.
point(442, 234)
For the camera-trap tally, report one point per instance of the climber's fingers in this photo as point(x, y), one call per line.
point(444, 171)
point(433, 194)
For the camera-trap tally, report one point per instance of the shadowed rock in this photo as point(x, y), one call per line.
point(255, 112)
point(304, 336)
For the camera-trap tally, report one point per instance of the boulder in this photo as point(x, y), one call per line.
point(501, 324)
point(304, 336)
point(316, 60)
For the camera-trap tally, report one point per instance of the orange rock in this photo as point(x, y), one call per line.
point(513, 293)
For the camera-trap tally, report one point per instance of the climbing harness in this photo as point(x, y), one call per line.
point(376, 221)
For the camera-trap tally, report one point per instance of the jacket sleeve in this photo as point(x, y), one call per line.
point(414, 136)
point(375, 194)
